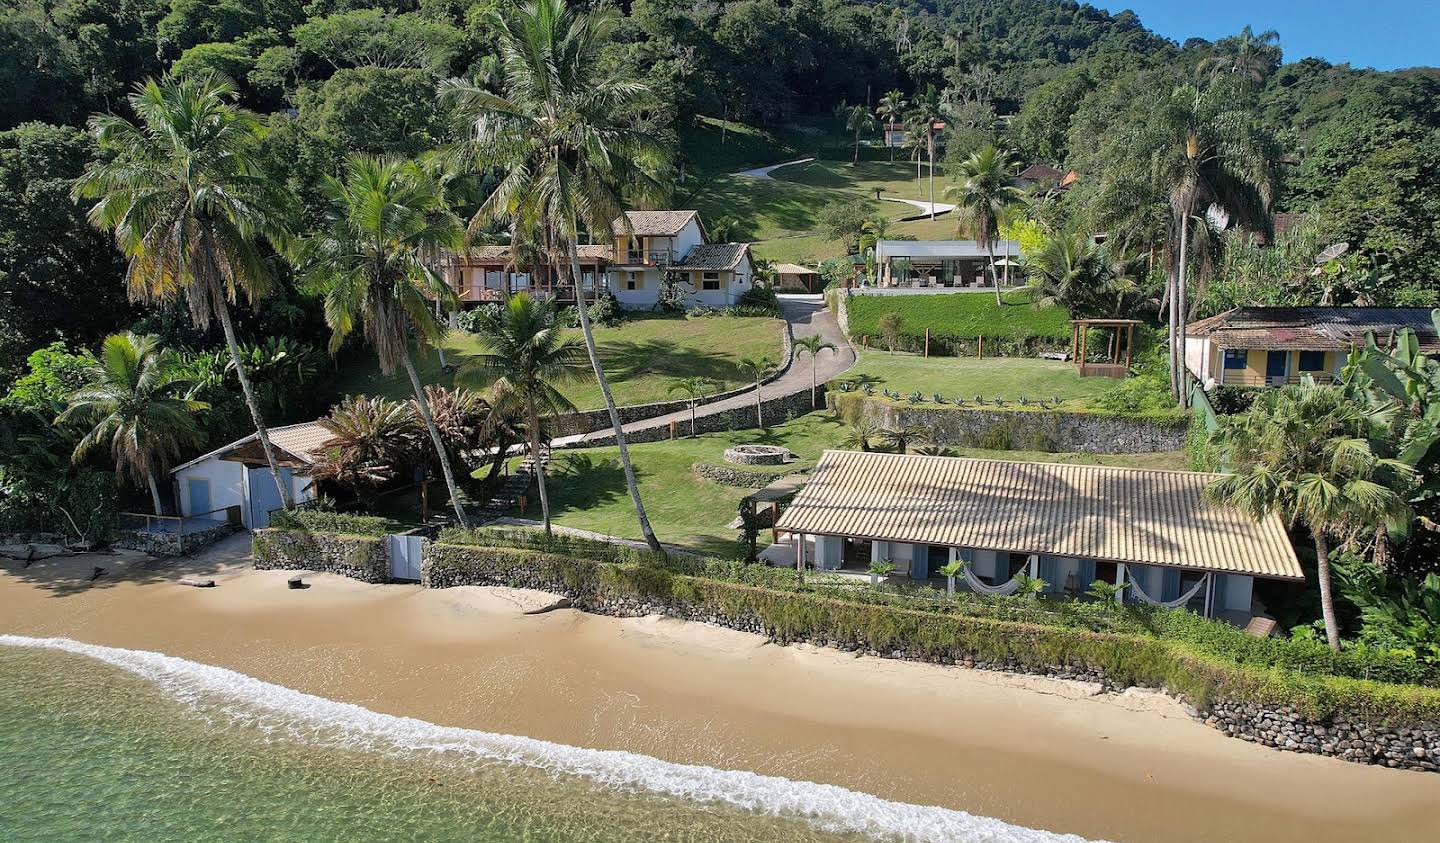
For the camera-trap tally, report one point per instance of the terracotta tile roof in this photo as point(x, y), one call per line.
point(1140, 516)
point(655, 223)
point(715, 256)
point(501, 254)
point(303, 441)
point(1312, 328)
point(794, 269)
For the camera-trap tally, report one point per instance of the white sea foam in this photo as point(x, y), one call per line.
point(828, 807)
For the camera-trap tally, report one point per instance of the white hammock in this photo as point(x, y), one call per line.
point(1004, 589)
point(1136, 590)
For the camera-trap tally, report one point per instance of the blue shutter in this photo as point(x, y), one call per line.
point(1050, 572)
point(1087, 574)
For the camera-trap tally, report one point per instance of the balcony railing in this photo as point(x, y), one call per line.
point(654, 257)
point(1240, 377)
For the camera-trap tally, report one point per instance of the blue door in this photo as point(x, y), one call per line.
point(1277, 367)
point(265, 495)
point(199, 495)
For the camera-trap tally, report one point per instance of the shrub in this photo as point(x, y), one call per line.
point(761, 300)
point(325, 521)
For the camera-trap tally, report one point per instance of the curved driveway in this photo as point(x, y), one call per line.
point(807, 316)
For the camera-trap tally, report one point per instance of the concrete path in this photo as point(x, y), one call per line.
point(807, 316)
point(764, 172)
point(940, 208)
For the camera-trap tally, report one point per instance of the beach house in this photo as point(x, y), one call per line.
point(948, 265)
point(1066, 524)
point(237, 474)
point(650, 250)
point(1273, 346)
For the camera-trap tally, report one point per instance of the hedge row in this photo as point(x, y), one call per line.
point(1184, 667)
point(325, 521)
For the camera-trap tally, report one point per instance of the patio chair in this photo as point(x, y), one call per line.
point(1260, 627)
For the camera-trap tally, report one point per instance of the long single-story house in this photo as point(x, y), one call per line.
point(649, 248)
point(1273, 346)
point(1066, 524)
point(933, 264)
point(238, 475)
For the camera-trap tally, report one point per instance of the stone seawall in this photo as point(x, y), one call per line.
point(362, 558)
point(1022, 430)
point(172, 544)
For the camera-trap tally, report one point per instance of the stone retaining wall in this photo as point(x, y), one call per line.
point(589, 421)
point(362, 558)
point(172, 544)
point(1413, 746)
point(1023, 430)
point(738, 477)
point(739, 418)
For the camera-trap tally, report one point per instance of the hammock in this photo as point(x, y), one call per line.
point(1004, 589)
point(1136, 590)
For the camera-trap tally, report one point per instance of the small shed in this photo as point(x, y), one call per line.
point(238, 474)
point(793, 276)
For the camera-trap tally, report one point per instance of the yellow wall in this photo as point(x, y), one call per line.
point(1256, 361)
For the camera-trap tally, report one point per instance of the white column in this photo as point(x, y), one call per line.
point(1120, 573)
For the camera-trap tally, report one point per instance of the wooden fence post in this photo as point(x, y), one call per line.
point(980, 348)
point(927, 342)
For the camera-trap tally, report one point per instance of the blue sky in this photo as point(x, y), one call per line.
point(1384, 34)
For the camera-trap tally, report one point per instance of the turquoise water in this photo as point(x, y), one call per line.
point(100, 743)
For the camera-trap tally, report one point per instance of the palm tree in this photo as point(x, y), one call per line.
point(695, 388)
point(1202, 148)
point(1250, 54)
point(813, 345)
point(183, 193)
point(857, 121)
point(860, 434)
point(758, 368)
point(898, 439)
point(526, 355)
point(983, 195)
point(373, 260)
point(373, 440)
point(1071, 271)
point(131, 400)
point(561, 136)
point(873, 231)
point(928, 112)
point(890, 109)
point(1302, 451)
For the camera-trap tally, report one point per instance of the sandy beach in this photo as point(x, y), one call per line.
point(1039, 753)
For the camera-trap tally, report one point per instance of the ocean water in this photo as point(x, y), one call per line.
point(100, 743)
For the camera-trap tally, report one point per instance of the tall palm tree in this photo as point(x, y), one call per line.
point(372, 442)
point(1303, 451)
point(561, 136)
point(758, 368)
point(1072, 272)
point(984, 193)
point(890, 109)
point(1250, 54)
point(928, 111)
point(694, 388)
point(813, 345)
point(526, 355)
point(1202, 149)
point(184, 196)
point(858, 120)
point(132, 401)
point(373, 260)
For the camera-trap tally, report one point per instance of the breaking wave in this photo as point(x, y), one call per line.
point(293, 715)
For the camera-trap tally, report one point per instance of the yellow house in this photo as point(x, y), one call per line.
point(1273, 346)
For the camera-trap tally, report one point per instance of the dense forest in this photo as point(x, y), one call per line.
point(1356, 151)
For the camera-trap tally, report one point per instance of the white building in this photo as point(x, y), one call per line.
point(238, 475)
point(936, 264)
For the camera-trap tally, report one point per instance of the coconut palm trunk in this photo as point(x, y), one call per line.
point(930, 144)
point(424, 406)
point(994, 278)
point(1327, 597)
point(262, 433)
point(1177, 313)
point(759, 405)
point(538, 466)
point(155, 494)
point(572, 246)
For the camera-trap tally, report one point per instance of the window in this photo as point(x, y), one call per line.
point(1236, 358)
point(710, 281)
point(1312, 361)
point(634, 281)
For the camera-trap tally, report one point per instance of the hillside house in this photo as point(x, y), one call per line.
point(955, 265)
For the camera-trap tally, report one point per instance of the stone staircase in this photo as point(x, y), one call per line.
point(514, 486)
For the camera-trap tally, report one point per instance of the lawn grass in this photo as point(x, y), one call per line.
point(966, 377)
point(587, 487)
point(642, 356)
point(959, 315)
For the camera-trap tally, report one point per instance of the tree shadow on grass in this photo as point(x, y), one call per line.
point(581, 481)
point(628, 360)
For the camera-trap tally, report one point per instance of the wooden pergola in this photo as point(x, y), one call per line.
point(1113, 367)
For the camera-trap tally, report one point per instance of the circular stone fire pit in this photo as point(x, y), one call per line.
point(757, 455)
